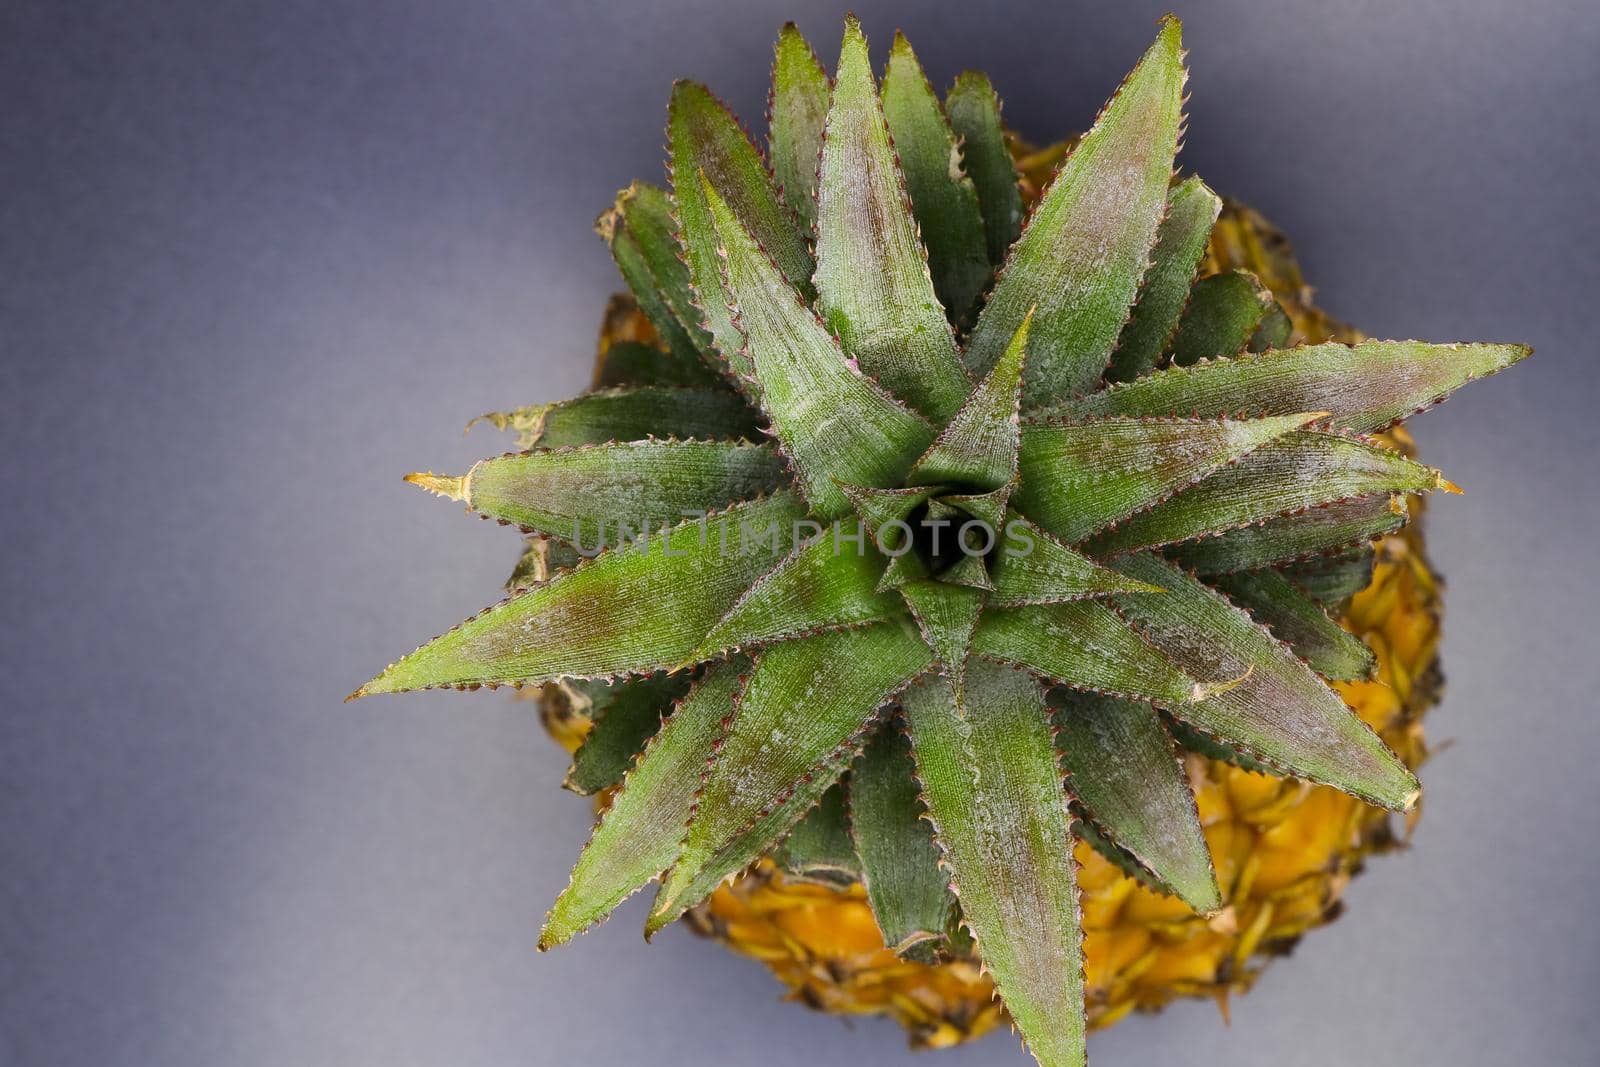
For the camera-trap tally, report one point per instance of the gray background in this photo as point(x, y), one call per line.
point(257, 260)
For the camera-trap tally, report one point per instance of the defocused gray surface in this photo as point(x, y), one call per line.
point(258, 260)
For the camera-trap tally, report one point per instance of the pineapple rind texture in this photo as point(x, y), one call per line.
point(1284, 849)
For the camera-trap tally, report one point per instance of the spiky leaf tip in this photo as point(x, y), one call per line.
point(873, 286)
point(1085, 248)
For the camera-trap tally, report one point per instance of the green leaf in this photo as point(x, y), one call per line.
point(1192, 740)
point(989, 507)
point(707, 145)
point(879, 510)
point(1365, 387)
point(1083, 253)
point(1300, 622)
point(1077, 478)
point(806, 704)
point(833, 423)
point(1032, 567)
point(873, 286)
point(999, 809)
point(1332, 580)
point(627, 611)
point(943, 199)
point(799, 108)
point(906, 567)
point(1086, 645)
point(1292, 537)
point(974, 112)
point(1123, 768)
point(756, 839)
point(642, 234)
point(969, 571)
point(1192, 210)
point(1270, 705)
point(635, 270)
point(909, 893)
point(819, 848)
point(1275, 330)
point(1091, 835)
point(830, 581)
point(1300, 470)
point(627, 364)
point(580, 493)
point(626, 714)
point(638, 836)
point(946, 614)
point(631, 415)
point(1223, 313)
point(979, 446)
point(879, 507)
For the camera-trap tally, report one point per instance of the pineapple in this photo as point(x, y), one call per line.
point(951, 551)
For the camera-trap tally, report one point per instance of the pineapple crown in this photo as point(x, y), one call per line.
point(1061, 508)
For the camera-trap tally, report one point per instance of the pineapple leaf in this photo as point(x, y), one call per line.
point(626, 714)
point(1332, 579)
point(943, 198)
point(759, 837)
point(1276, 710)
point(819, 848)
point(989, 507)
point(798, 108)
point(1192, 210)
point(1086, 645)
point(1124, 770)
point(979, 446)
point(873, 286)
point(994, 791)
point(626, 364)
point(1300, 622)
point(1042, 570)
point(834, 423)
point(968, 571)
point(806, 702)
point(707, 143)
point(1203, 744)
point(1077, 478)
point(637, 838)
point(1293, 537)
point(1297, 471)
point(906, 567)
point(1275, 330)
point(879, 507)
point(1091, 834)
point(946, 614)
point(1084, 251)
point(974, 112)
point(1223, 313)
point(1365, 387)
point(631, 415)
point(577, 494)
point(822, 584)
point(909, 893)
point(630, 610)
point(642, 235)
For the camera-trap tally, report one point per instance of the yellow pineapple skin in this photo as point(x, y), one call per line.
point(1284, 850)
